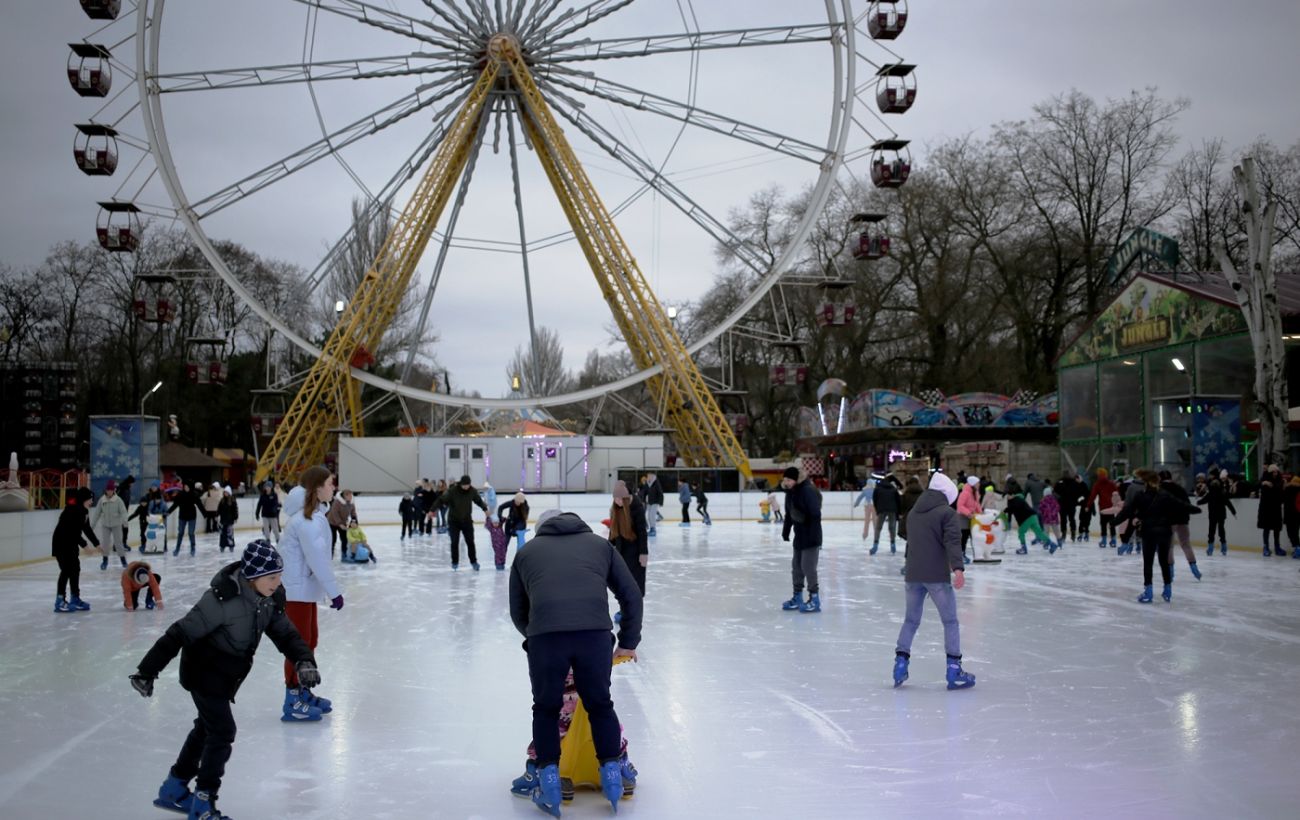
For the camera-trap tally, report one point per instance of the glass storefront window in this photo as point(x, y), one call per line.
point(1225, 367)
point(1164, 378)
point(1082, 458)
point(1078, 402)
point(1121, 458)
point(1120, 384)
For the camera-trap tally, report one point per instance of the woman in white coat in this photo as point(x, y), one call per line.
point(308, 578)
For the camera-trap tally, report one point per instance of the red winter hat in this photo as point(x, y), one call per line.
point(111, 485)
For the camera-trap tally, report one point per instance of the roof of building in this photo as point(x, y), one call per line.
point(175, 454)
point(1214, 286)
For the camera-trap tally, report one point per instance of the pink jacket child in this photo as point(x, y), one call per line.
point(1049, 511)
point(1117, 504)
point(968, 500)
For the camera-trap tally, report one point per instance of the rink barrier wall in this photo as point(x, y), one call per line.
point(25, 536)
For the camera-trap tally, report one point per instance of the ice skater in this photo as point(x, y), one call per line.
point(268, 512)
point(459, 502)
point(514, 518)
point(1179, 523)
point(109, 520)
point(216, 641)
point(702, 504)
point(342, 512)
point(188, 502)
point(1156, 509)
point(139, 575)
point(1269, 516)
point(968, 506)
point(654, 499)
point(559, 602)
point(775, 501)
point(684, 496)
point(227, 515)
point(308, 579)
point(1291, 514)
point(803, 516)
point(1217, 506)
point(358, 549)
point(1049, 515)
point(934, 567)
point(868, 509)
point(65, 546)
point(406, 510)
point(886, 499)
point(1027, 520)
point(627, 533)
point(1102, 489)
point(1069, 492)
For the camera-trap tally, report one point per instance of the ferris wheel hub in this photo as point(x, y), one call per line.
point(502, 46)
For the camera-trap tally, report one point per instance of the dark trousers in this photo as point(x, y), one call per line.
point(408, 526)
point(338, 534)
point(1217, 524)
point(589, 653)
point(180, 532)
point(1068, 523)
point(631, 557)
point(1107, 525)
point(459, 528)
point(1293, 532)
point(69, 573)
point(1156, 545)
point(207, 748)
point(686, 513)
point(803, 568)
point(965, 539)
point(210, 522)
point(1277, 534)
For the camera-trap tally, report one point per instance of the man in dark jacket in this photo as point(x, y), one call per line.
point(803, 516)
point(885, 498)
point(1218, 505)
point(933, 551)
point(559, 603)
point(268, 512)
point(1155, 510)
point(1069, 491)
point(1180, 523)
point(216, 641)
point(188, 502)
point(460, 517)
point(70, 535)
point(654, 499)
point(1034, 487)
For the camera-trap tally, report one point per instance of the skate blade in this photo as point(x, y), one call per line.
point(170, 806)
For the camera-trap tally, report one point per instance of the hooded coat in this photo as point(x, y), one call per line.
point(109, 512)
point(803, 515)
point(218, 637)
point(305, 549)
point(934, 543)
point(1269, 516)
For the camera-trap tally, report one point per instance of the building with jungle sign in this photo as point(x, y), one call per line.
point(1164, 377)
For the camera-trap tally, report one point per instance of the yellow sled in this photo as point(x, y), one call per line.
point(577, 751)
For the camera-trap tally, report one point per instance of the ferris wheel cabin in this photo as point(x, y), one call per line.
point(886, 19)
point(101, 9)
point(153, 303)
point(836, 308)
point(896, 88)
point(95, 149)
point(89, 71)
point(891, 163)
point(871, 243)
point(118, 226)
point(206, 360)
point(267, 412)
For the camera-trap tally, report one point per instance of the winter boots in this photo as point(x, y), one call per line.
point(546, 794)
point(957, 678)
point(1146, 596)
point(900, 669)
point(174, 795)
point(298, 710)
point(796, 602)
point(813, 604)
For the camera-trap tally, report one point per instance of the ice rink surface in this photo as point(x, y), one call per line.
point(1088, 704)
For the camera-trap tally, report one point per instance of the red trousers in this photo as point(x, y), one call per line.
point(302, 614)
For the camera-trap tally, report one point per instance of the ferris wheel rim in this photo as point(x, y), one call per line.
point(844, 58)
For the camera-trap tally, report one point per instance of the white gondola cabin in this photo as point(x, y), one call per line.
point(89, 71)
point(870, 241)
point(95, 149)
point(886, 19)
point(118, 226)
point(891, 163)
point(895, 88)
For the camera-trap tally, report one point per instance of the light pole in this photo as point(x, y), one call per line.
point(152, 390)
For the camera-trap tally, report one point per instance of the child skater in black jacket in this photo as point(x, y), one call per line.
point(74, 522)
point(216, 641)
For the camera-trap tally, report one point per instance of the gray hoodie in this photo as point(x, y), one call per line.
point(934, 540)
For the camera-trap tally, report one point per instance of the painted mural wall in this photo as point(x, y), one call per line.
point(122, 446)
point(893, 408)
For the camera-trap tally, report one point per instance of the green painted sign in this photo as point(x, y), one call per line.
point(1147, 315)
point(1142, 241)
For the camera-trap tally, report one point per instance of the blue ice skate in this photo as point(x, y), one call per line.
point(1267, 553)
point(794, 603)
point(297, 710)
point(628, 771)
point(1146, 596)
point(1053, 546)
point(1023, 550)
point(1196, 571)
point(546, 794)
point(873, 549)
point(104, 563)
point(1167, 593)
point(900, 670)
point(522, 786)
point(611, 782)
point(78, 604)
point(813, 604)
point(204, 807)
point(174, 795)
point(61, 605)
point(1223, 547)
point(957, 678)
point(1210, 549)
point(651, 533)
point(325, 705)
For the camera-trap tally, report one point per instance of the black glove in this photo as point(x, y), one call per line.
point(143, 685)
point(337, 603)
point(308, 675)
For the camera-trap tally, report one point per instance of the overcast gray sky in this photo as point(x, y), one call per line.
point(978, 63)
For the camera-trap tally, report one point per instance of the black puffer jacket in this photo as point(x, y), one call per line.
point(803, 515)
point(514, 517)
point(885, 497)
point(218, 637)
point(73, 529)
point(1156, 510)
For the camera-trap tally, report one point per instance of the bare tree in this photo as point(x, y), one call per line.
point(540, 369)
point(26, 311)
point(1256, 292)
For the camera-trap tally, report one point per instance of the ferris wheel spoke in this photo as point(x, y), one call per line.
point(619, 47)
point(538, 14)
point(573, 111)
point(333, 142)
point(455, 18)
point(581, 18)
point(393, 21)
point(637, 99)
point(357, 69)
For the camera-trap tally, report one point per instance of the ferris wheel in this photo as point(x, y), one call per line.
point(644, 119)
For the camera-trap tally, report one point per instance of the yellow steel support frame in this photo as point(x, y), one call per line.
point(703, 436)
point(303, 438)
